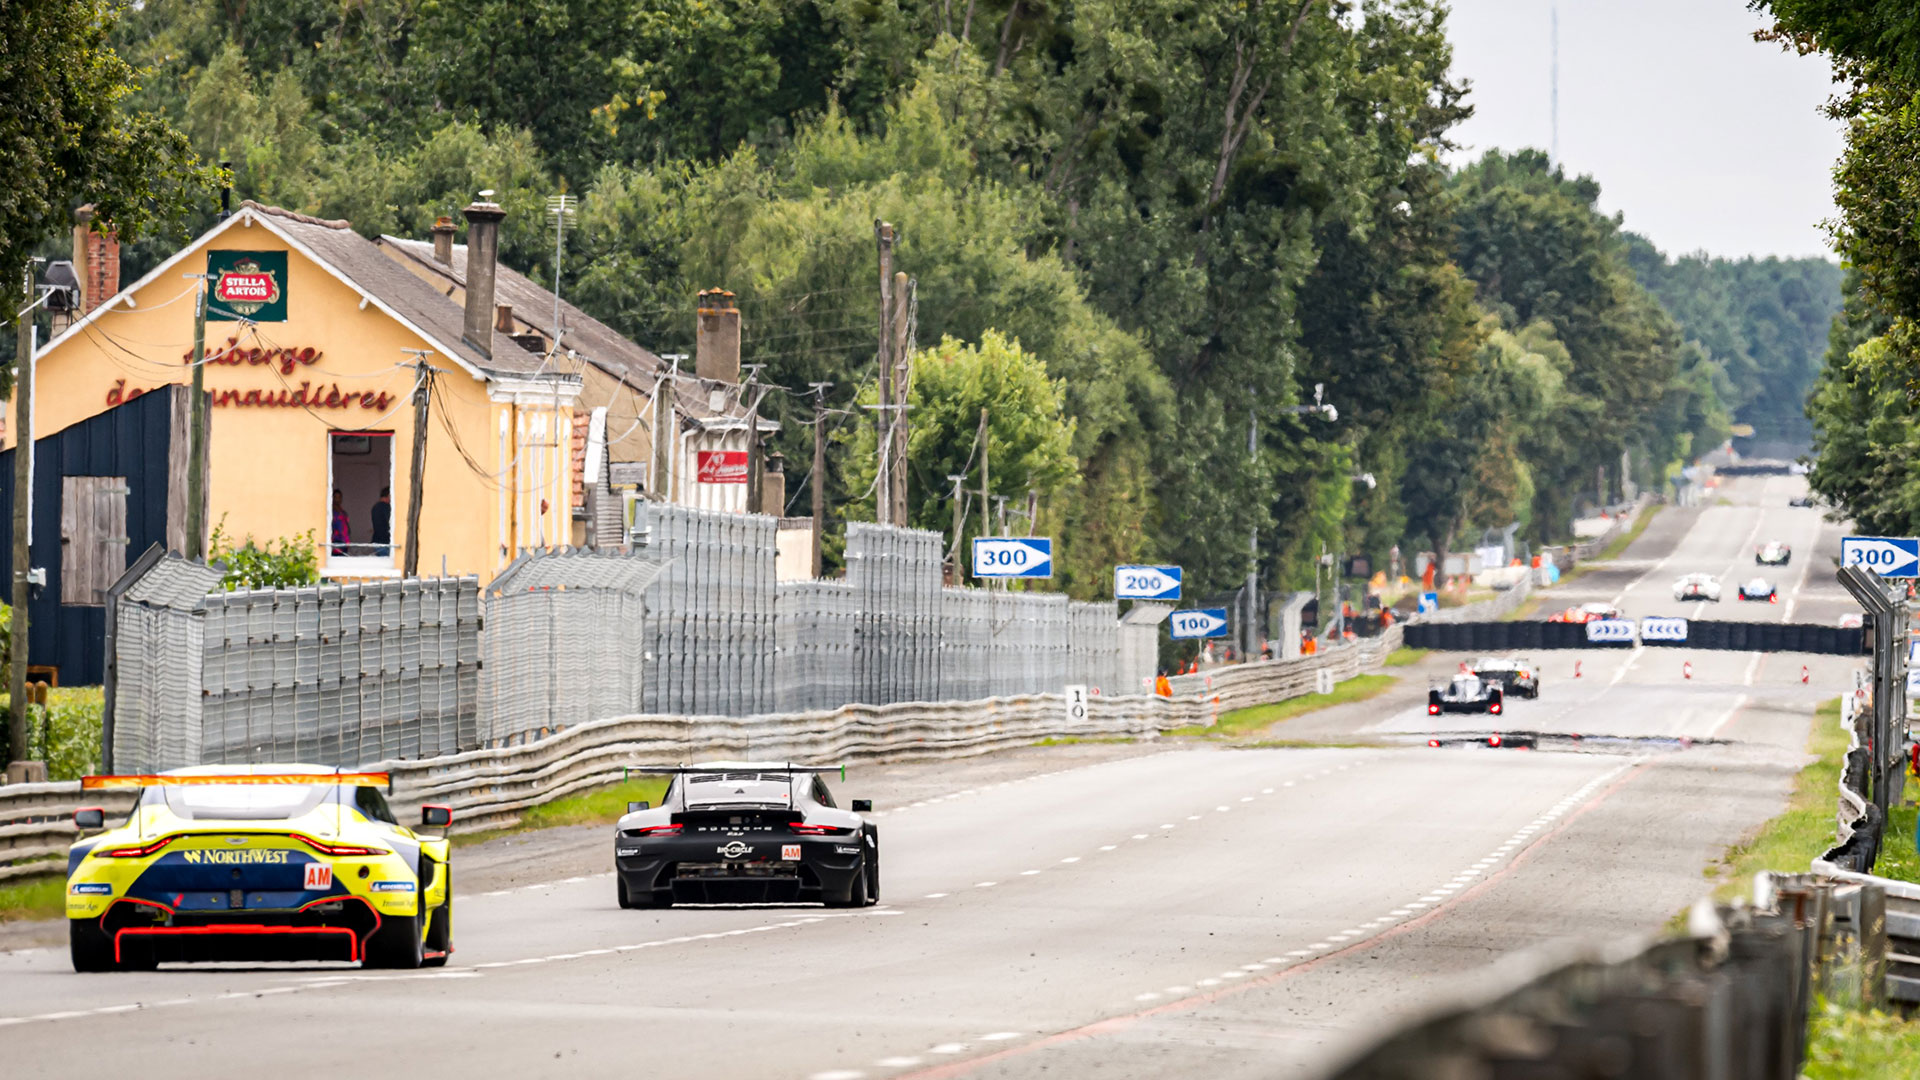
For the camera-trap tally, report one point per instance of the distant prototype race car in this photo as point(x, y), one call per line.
point(1800, 500)
point(1467, 693)
point(733, 832)
point(257, 862)
point(1697, 587)
point(1514, 675)
point(1586, 613)
point(1759, 589)
point(1774, 553)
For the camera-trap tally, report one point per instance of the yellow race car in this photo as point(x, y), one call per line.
point(258, 862)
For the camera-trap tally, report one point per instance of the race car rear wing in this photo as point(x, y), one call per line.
point(121, 783)
point(628, 771)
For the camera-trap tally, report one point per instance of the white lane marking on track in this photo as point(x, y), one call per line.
point(1071, 859)
point(898, 1062)
point(838, 1074)
point(947, 1048)
point(1753, 665)
point(936, 896)
point(1001, 1036)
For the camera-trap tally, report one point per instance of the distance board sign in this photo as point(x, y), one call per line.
point(1656, 628)
point(1888, 556)
point(1013, 557)
point(1146, 583)
point(1076, 702)
point(1429, 601)
point(1199, 623)
point(1610, 631)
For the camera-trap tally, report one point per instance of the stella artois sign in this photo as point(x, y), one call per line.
point(249, 285)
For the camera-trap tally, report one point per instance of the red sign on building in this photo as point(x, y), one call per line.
point(722, 467)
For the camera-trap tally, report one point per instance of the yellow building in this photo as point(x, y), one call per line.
point(315, 343)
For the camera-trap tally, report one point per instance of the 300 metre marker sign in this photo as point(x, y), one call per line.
point(1013, 557)
point(1888, 556)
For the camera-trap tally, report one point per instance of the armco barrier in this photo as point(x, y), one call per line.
point(1730, 1002)
point(490, 788)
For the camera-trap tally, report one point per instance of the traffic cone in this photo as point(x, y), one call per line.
point(1803, 673)
point(1576, 669)
point(1686, 669)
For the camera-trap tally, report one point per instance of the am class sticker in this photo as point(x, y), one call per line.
point(790, 852)
point(319, 876)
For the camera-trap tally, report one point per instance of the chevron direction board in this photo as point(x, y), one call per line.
point(1146, 583)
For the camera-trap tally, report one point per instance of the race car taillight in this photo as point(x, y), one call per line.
point(325, 848)
point(138, 852)
point(1773, 598)
point(1433, 710)
point(817, 830)
point(654, 830)
point(1493, 740)
point(1494, 708)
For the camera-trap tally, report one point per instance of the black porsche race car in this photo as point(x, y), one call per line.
point(1514, 674)
point(732, 832)
point(1467, 693)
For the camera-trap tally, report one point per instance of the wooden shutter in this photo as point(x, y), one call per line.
point(93, 537)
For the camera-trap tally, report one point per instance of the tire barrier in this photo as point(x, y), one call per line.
point(1731, 636)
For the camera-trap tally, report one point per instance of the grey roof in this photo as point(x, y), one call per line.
point(596, 342)
point(175, 583)
point(361, 262)
point(576, 569)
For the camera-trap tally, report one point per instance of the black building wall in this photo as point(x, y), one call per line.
point(130, 440)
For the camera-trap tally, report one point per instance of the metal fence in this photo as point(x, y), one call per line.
point(689, 622)
point(330, 674)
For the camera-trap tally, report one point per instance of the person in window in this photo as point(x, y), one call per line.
point(342, 534)
point(383, 523)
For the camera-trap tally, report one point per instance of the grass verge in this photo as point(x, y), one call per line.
point(594, 806)
point(1805, 829)
point(35, 898)
point(1846, 1044)
point(1259, 717)
point(1403, 656)
point(1076, 740)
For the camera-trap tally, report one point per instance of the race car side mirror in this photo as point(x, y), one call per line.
point(636, 807)
point(863, 806)
point(436, 817)
point(89, 817)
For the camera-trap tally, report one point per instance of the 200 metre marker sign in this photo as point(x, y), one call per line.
point(1013, 557)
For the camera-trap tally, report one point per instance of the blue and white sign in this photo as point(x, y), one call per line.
point(1429, 601)
point(1146, 583)
point(1199, 623)
point(1610, 631)
point(1888, 556)
point(1013, 557)
point(1657, 628)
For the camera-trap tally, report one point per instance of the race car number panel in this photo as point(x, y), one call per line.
point(319, 876)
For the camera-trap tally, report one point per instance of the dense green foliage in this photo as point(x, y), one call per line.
point(1173, 222)
point(285, 563)
point(1763, 322)
point(1865, 433)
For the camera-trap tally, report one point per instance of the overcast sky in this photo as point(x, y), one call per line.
point(1702, 137)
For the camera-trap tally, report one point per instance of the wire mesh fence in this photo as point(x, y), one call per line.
point(691, 621)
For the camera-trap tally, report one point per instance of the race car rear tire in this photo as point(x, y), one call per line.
point(873, 867)
point(856, 889)
point(397, 944)
point(92, 949)
point(630, 900)
point(439, 940)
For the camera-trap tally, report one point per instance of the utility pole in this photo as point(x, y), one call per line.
point(1249, 629)
point(986, 488)
point(197, 428)
point(22, 519)
point(959, 523)
point(664, 431)
point(819, 473)
point(753, 436)
point(883, 418)
point(902, 375)
point(417, 479)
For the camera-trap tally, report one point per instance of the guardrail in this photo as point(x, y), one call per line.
point(36, 824)
point(490, 788)
point(1729, 1001)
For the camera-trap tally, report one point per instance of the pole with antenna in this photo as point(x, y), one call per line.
point(819, 474)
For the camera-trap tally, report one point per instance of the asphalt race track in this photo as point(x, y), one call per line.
point(1081, 911)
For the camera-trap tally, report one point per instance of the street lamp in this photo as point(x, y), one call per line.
point(1250, 638)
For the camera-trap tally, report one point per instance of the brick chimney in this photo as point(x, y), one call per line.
point(96, 260)
point(443, 230)
point(483, 247)
point(716, 344)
